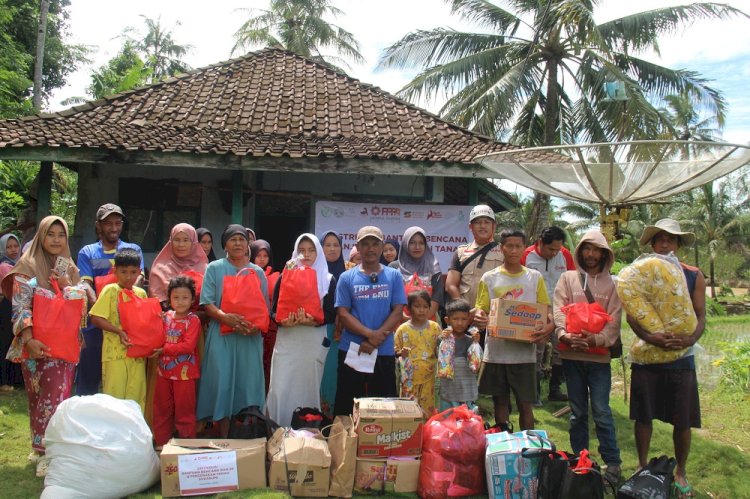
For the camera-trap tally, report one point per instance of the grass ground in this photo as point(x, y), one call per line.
point(718, 468)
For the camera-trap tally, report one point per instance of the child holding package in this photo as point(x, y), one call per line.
point(123, 377)
point(467, 354)
point(416, 345)
point(178, 368)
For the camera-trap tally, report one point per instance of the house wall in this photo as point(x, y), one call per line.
point(99, 184)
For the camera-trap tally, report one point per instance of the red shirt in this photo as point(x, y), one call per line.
point(179, 361)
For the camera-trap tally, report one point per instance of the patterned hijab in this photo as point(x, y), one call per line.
point(4, 245)
point(36, 262)
point(320, 264)
point(166, 265)
point(427, 265)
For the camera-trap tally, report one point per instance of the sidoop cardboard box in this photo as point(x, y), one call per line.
point(515, 320)
point(204, 466)
point(510, 476)
point(299, 465)
point(388, 427)
point(401, 475)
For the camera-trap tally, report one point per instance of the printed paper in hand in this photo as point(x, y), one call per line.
point(362, 362)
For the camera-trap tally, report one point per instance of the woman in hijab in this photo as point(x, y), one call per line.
point(334, 254)
point(232, 365)
point(297, 365)
point(10, 249)
point(182, 254)
point(48, 381)
point(207, 242)
point(415, 257)
point(260, 255)
point(10, 372)
point(390, 251)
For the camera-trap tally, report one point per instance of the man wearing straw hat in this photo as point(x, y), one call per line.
point(669, 391)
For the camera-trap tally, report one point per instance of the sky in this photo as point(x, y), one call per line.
point(719, 50)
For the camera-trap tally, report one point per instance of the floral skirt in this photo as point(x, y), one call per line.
point(48, 382)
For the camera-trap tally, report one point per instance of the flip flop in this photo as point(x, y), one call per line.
point(682, 491)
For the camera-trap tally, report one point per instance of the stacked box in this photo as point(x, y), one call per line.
point(396, 474)
point(388, 427)
point(510, 476)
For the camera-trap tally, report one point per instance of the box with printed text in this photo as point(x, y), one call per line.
point(388, 427)
point(515, 320)
point(204, 466)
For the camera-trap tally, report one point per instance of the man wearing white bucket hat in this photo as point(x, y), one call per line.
point(669, 391)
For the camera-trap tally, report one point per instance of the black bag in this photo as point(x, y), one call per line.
point(558, 480)
point(653, 481)
point(309, 417)
point(251, 423)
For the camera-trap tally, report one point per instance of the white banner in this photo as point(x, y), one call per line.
point(446, 227)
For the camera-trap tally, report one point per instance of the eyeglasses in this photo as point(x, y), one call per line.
point(374, 278)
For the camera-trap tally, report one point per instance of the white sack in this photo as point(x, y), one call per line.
point(99, 447)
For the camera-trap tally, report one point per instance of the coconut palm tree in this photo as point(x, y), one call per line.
point(162, 55)
point(536, 72)
point(299, 26)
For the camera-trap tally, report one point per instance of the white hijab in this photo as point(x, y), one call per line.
point(320, 265)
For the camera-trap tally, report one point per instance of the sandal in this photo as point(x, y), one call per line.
point(682, 491)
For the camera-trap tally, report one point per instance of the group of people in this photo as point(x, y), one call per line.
point(395, 304)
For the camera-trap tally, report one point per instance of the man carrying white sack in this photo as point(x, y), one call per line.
point(585, 353)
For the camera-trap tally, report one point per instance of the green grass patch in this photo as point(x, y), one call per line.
point(717, 468)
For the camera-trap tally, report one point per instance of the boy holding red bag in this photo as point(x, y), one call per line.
point(122, 376)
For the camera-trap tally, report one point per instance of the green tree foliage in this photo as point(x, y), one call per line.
point(60, 60)
point(123, 72)
point(14, 70)
point(546, 87)
point(299, 26)
point(162, 55)
point(17, 186)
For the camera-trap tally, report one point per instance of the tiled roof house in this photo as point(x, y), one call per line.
point(259, 138)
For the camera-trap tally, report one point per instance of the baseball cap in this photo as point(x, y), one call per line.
point(106, 210)
point(369, 231)
point(481, 210)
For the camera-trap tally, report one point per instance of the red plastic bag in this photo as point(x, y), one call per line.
point(299, 288)
point(57, 323)
point(453, 447)
point(415, 284)
point(197, 277)
point(103, 280)
point(584, 316)
point(141, 319)
point(241, 294)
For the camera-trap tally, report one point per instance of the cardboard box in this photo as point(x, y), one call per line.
point(388, 427)
point(510, 476)
point(515, 320)
point(204, 466)
point(302, 465)
point(401, 475)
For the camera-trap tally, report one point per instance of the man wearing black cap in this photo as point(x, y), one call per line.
point(96, 260)
point(369, 302)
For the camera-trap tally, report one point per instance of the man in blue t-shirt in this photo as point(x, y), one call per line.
point(369, 301)
point(96, 260)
